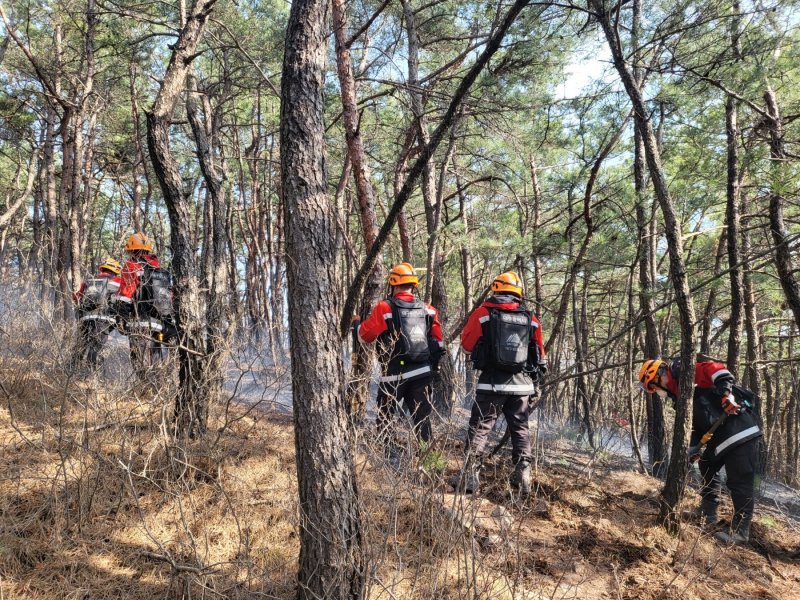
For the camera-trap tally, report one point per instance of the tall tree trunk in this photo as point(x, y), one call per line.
point(331, 553)
point(362, 360)
point(732, 221)
point(783, 256)
point(218, 332)
point(420, 124)
point(732, 212)
point(535, 233)
point(676, 473)
point(656, 431)
point(752, 378)
point(191, 402)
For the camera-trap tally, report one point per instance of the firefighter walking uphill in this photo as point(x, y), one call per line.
point(410, 345)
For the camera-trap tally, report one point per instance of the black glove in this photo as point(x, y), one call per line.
point(694, 453)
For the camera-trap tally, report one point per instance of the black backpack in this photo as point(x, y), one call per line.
point(506, 341)
point(410, 329)
point(154, 294)
point(95, 296)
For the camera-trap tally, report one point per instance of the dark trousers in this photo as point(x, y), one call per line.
point(92, 335)
point(740, 465)
point(486, 409)
point(415, 395)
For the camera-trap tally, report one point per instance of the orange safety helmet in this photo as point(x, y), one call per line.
point(649, 374)
point(403, 274)
point(508, 282)
point(109, 264)
point(138, 241)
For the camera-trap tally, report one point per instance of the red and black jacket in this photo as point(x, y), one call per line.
point(132, 273)
point(712, 382)
point(378, 326)
point(493, 381)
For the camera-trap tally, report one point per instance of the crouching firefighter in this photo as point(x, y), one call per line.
point(505, 342)
point(725, 409)
point(410, 345)
point(95, 315)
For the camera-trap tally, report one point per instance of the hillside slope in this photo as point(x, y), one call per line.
point(99, 503)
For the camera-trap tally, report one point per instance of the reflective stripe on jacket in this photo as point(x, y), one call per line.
point(377, 324)
point(495, 381)
point(713, 380)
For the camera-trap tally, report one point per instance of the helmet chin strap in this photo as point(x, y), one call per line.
point(667, 393)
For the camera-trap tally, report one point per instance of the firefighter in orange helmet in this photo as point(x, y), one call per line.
point(717, 402)
point(410, 344)
point(140, 328)
point(504, 340)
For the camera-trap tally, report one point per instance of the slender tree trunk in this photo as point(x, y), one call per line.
point(711, 304)
point(581, 387)
point(732, 221)
point(783, 256)
point(656, 431)
point(218, 332)
point(331, 553)
point(362, 360)
point(191, 403)
point(535, 233)
point(732, 212)
point(751, 373)
point(676, 473)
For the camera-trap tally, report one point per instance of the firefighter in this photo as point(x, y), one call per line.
point(410, 345)
point(95, 317)
point(143, 332)
point(734, 444)
point(504, 340)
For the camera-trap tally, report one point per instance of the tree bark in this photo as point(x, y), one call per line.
point(535, 233)
point(732, 220)
point(331, 553)
point(783, 256)
point(732, 212)
point(191, 408)
point(218, 332)
point(676, 473)
point(362, 360)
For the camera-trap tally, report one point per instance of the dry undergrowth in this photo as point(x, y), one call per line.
point(99, 502)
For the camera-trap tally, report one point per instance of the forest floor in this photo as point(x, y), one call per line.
point(98, 502)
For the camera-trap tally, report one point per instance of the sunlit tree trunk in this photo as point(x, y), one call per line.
point(331, 553)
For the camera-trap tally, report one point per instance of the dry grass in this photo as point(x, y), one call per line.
point(99, 502)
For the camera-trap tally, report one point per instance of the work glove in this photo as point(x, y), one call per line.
point(539, 372)
point(730, 406)
point(694, 454)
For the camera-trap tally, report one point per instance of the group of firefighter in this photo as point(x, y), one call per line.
point(134, 298)
point(504, 340)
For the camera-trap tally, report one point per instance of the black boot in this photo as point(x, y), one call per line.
point(469, 479)
point(739, 533)
point(521, 477)
point(708, 514)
